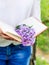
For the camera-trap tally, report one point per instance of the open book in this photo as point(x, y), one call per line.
point(38, 26)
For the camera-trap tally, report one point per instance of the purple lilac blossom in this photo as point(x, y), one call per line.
point(27, 34)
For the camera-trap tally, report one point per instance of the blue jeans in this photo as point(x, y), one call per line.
point(15, 55)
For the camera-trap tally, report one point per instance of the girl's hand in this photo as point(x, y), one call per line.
point(5, 36)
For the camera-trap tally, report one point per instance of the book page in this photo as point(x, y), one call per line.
point(38, 26)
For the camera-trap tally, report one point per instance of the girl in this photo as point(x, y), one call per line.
point(12, 12)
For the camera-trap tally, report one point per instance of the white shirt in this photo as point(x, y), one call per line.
point(14, 11)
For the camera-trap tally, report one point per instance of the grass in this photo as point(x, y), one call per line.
point(45, 10)
point(39, 61)
point(43, 40)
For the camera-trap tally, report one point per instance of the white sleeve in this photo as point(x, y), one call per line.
point(36, 11)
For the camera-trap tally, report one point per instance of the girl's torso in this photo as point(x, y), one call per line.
point(14, 11)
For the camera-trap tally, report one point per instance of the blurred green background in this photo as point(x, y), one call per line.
point(45, 9)
point(43, 39)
